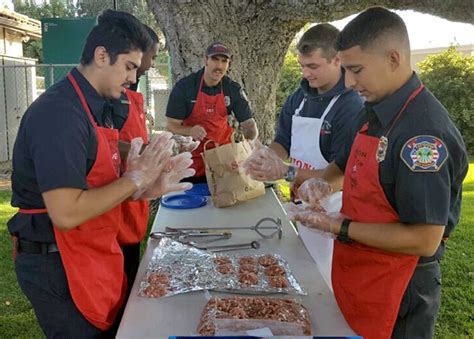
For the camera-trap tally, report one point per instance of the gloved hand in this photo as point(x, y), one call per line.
point(198, 132)
point(313, 191)
point(183, 144)
point(175, 170)
point(264, 164)
point(144, 168)
point(328, 223)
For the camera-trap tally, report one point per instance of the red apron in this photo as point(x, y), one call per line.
point(210, 112)
point(135, 213)
point(369, 283)
point(90, 253)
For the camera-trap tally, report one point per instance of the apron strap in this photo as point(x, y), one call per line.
point(300, 107)
point(82, 98)
point(331, 103)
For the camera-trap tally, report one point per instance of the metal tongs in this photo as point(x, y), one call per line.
point(176, 233)
point(184, 235)
point(224, 248)
point(259, 228)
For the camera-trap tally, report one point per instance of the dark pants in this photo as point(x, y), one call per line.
point(42, 279)
point(131, 261)
point(420, 303)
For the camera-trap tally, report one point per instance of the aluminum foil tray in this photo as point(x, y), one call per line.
point(177, 268)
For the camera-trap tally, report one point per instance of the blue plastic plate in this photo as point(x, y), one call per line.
point(199, 189)
point(183, 201)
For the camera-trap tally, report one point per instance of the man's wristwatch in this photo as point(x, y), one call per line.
point(290, 176)
point(343, 235)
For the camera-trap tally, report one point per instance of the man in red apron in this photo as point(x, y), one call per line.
point(66, 184)
point(402, 182)
point(200, 104)
point(130, 120)
point(312, 127)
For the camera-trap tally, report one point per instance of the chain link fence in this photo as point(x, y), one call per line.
point(22, 81)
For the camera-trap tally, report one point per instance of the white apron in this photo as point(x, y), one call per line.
point(305, 152)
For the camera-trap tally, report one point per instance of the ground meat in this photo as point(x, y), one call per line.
point(225, 268)
point(248, 278)
point(159, 279)
point(255, 308)
point(267, 260)
point(183, 144)
point(222, 260)
point(247, 261)
point(278, 281)
point(238, 313)
point(155, 291)
point(248, 268)
point(274, 270)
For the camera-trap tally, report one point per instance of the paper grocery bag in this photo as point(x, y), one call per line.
point(227, 181)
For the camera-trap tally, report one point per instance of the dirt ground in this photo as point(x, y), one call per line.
point(5, 173)
point(5, 184)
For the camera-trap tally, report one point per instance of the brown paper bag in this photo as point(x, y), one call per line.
point(227, 181)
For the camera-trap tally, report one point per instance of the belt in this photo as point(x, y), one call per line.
point(24, 246)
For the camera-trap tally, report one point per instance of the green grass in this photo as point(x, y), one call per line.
point(455, 320)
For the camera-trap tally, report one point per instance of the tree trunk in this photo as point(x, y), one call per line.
point(258, 32)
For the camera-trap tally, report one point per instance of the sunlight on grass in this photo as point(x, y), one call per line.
point(470, 175)
point(6, 211)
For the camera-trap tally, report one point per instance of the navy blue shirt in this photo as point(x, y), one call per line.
point(56, 147)
point(430, 196)
point(120, 109)
point(184, 93)
point(337, 123)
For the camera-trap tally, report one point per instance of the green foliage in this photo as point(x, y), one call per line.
point(290, 78)
point(139, 9)
point(450, 76)
point(58, 9)
point(53, 9)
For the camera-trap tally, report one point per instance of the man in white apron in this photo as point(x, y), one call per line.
point(312, 126)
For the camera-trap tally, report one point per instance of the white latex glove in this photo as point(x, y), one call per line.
point(176, 170)
point(144, 168)
point(183, 144)
point(328, 223)
point(313, 191)
point(264, 164)
point(198, 132)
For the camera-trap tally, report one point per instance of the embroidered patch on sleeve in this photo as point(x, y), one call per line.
point(424, 153)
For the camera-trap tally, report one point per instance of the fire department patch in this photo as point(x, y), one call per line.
point(424, 153)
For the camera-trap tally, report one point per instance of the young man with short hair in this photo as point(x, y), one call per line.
point(66, 183)
point(402, 186)
point(314, 121)
point(313, 126)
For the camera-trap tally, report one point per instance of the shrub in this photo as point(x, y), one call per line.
point(450, 76)
point(290, 78)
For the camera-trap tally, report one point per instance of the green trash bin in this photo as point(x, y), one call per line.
point(63, 41)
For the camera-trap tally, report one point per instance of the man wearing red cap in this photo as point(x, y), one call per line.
point(199, 105)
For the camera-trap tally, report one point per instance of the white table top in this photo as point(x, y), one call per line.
point(179, 315)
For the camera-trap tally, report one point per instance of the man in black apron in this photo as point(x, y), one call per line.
point(402, 191)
